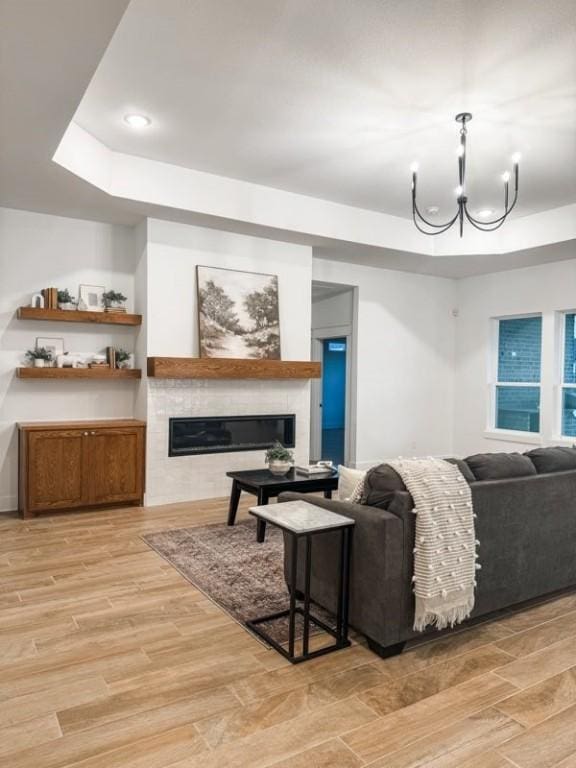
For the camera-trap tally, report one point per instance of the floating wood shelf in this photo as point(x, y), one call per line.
point(79, 316)
point(79, 373)
point(230, 368)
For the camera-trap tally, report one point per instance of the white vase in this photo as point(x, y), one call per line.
point(39, 362)
point(112, 305)
point(279, 468)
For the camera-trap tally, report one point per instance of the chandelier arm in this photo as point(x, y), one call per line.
point(493, 221)
point(478, 225)
point(416, 210)
point(437, 232)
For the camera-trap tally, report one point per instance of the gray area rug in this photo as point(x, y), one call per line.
point(226, 563)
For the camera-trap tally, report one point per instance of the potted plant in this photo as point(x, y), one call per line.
point(122, 358)
point(39, 357)
point(66, 300)
point(113, 300)
point(279, 459)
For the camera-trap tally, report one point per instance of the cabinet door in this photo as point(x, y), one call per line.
point(116, 465)
point(56, 469)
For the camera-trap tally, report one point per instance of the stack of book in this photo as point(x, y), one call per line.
point(115, 310)
point(315, 469)
point(50, 298)
point(111, 356)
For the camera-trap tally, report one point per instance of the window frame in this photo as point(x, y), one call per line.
point(559, 384)
point(492, 431)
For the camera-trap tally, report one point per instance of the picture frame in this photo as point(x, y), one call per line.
point(90, 298)
point(238, 313)
point(55, 344)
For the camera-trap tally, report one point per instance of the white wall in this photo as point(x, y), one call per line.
point(543, 289)
point(333, 311)
point(405, 360)
point(173, 252)
point(37, 251)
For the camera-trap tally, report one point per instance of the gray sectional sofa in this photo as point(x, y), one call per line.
point(526, 524)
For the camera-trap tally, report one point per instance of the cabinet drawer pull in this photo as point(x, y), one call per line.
point(92, 433)
point(86, 434)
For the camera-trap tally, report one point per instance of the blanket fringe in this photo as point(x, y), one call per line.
point(446, 618)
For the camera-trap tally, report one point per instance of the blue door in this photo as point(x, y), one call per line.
point(333, 399)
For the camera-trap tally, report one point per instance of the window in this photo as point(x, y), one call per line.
point(568, 399)
point(517, 387)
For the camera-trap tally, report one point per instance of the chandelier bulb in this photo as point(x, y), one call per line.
point(516, 157)
point(414, 167)
point(506, 177)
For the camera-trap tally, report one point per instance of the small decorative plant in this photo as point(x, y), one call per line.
point(279, 459)
point(122, 358)
point(113, 299)
point(39, 357)
point(65, 299)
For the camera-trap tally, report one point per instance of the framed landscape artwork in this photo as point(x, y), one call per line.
point(238, 314)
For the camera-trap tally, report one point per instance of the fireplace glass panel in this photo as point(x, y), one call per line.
point(190, 436)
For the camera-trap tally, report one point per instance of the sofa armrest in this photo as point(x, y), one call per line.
point(377, 565)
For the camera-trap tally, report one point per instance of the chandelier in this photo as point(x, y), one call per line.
point(462, 211)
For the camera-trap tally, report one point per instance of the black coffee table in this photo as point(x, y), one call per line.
point(265, 486)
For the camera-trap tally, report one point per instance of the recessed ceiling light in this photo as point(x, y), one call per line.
point(137, 121)
point(433, 210)
point(485, 213)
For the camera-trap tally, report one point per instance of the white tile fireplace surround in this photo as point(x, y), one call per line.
point(185, 478)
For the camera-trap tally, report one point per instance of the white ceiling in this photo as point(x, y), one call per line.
point(334, 99)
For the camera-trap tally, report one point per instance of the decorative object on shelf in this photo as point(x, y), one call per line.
point(99, 361)
point(66, 360)
point(111, 356)
point(123, 359)
point(50, 296)
point(37, 301)
point(462, 212)
point(39, 357)
point(114, 301)
point(238, 314)
point(279, 459)
point(91, 298)
point(54, 345)
point(65, 300)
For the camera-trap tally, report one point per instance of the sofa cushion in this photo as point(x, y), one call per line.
point(380, 485)
point(555, 459)
point(499, 466)
point(382, 482)
point(464, 469)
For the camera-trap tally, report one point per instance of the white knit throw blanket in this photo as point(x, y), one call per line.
point(445, 547)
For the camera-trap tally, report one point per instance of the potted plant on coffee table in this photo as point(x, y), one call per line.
point(39, 357)
point(279, 459)
point(66, 300)
point(114, 301)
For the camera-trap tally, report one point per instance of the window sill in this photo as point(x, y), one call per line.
point(562, 440)
point(510, 436)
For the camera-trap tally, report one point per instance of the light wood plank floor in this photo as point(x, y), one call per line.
point(109, 659)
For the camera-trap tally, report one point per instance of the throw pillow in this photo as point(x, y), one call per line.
point(499, 466)
point(350, 483)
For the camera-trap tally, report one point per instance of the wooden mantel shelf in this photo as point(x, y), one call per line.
point(79, 316)
point(79, 373)
point(230, 368)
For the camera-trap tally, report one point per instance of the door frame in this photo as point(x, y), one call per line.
point(319, 335)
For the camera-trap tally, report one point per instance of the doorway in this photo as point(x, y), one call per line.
point(333, 403)
point(332, 433)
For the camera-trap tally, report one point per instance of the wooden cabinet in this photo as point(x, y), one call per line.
point(80, 465)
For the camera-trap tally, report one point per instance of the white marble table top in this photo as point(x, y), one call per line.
point(300, 517)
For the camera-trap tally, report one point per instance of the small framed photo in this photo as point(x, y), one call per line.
point(53, 344)
point(90, 298)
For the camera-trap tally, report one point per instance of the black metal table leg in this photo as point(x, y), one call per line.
point(307, 571)
point(234, 499)
point(343, 592)
point(261, 524)
point(293, 590)
point(328, 493)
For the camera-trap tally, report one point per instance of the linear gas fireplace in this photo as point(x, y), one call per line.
point(217, 434)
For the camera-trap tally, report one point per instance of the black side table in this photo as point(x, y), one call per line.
point(264, 485)
point(302, 520)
